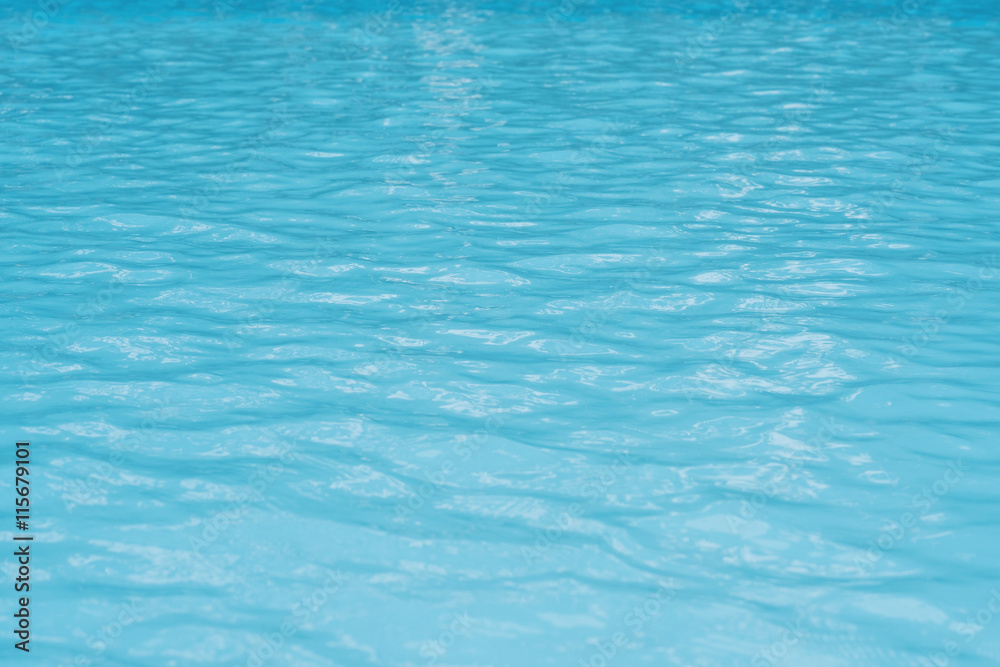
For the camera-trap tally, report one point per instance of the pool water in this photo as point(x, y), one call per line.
point(471, 334)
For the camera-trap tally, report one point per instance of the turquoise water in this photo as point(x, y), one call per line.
point(467, 334)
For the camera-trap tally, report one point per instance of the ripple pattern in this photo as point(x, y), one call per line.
point(476, 334)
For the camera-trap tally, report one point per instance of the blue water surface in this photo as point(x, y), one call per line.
point(503, 334)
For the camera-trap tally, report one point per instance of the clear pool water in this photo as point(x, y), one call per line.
point(469, 334)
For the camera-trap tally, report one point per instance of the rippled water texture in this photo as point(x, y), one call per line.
point(471, 335)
